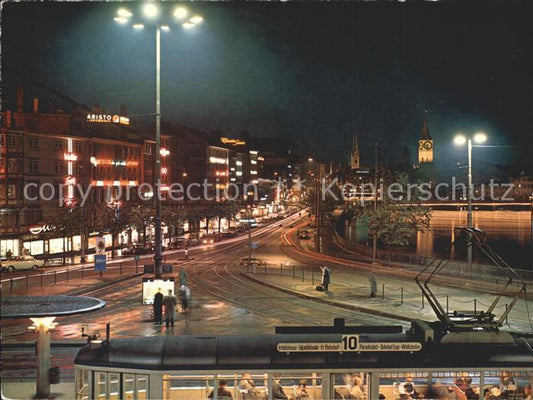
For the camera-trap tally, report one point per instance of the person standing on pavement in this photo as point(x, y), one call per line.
point(183, 276)
point(158, 307)
point(9, 254)
point(169, 303)
point(373, 285)
point(184, 297)
point(326, 278)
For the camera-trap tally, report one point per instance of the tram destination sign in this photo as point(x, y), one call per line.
point(349, 343)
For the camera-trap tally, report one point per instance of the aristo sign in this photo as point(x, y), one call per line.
point(108, 118)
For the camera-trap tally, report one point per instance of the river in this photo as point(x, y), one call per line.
point(508, 233)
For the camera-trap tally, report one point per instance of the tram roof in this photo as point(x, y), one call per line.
point(235, 352)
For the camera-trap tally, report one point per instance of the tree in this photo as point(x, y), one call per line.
point(114, 219)
point(395, 221)
point(140, 218)
point(66, 220)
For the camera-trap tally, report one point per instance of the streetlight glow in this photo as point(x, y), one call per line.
point(122, 12)
point(310, 159)
point(138, 26)
point(196, 19)
point(188, 25)
point(480, 137)
point(150, 10)
point(180, 12)
point(459, 140)
point(121, 20)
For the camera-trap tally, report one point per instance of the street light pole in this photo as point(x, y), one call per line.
point(461, 140)
point(469, 212)
point(151, 12)
point(374, 236)
point(158, 268)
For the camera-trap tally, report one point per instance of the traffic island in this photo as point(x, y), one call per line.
point(42, 311)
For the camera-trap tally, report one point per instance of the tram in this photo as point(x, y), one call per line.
point(385, 362)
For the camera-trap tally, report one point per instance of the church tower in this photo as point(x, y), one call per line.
point(425, 144)
point(354, 155)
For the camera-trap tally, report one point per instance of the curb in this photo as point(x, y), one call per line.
point(329, 302)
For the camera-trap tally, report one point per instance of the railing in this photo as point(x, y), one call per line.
point(47, 278)
point(478, 271)
point(309, 273)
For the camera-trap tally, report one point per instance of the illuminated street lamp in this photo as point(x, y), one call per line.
point(460, 140)
point(153, 15)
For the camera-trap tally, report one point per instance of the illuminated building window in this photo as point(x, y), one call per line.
point(253, 162)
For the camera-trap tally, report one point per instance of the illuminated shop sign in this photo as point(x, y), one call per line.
point(70, 157)
point(35, 230)
point(233, 142)
point(115, 163)
point(70, 181)
point(108, 118)
point(164, 152)
point(217, 160)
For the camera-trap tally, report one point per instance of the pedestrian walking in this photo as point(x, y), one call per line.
point(9, 254)
point(326, 278)
point(158, 307)
point(183, 276)
point(373, 285)
point(184, 297)
point(186, 253)
point(169, 304)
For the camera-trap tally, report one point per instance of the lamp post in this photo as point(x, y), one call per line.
point(151, 12)
point(460, 140)
point(374, 236)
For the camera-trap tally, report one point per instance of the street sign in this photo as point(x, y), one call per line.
point(254, 245)
point(100, 262)
point(349, 343)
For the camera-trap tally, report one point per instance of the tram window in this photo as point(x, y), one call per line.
point(113, 386)
point(100, 385)
point(187, 387)
point(350, 385)
point(301, 386)
point(508, 384)
point(142, 386)
point(82, 384)
point(454, 385)
point(135, 386)
point(403, 385)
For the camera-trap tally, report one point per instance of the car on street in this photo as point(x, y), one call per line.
point(304, 236)
point(21, 263)
point(138, 249)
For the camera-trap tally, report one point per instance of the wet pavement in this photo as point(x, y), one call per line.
point(226, 301)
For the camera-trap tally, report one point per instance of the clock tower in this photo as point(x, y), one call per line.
point(425, 144)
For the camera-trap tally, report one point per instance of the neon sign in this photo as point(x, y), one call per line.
point(233, 142)
point(35, 230)
point(70, 157)
point(108, 118)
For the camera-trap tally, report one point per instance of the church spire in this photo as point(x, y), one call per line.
point(425, 131)
point(354, 156)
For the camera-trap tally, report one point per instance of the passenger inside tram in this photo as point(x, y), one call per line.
point(301, 392)
point(351, 389)
point(222, 393)
point(248, 389)
point(278, 393)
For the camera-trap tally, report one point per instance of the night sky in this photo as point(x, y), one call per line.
point(312, 71)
